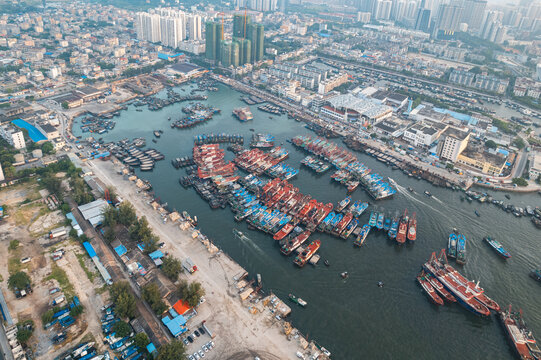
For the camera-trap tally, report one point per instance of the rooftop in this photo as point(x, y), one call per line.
point(455, 133)
point(184, 68)
point(362, 106)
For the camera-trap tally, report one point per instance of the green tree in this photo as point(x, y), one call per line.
point(151, 294)
point(52, 184)
point(121, 329)
point(491, 144)
point(109, 235)
point(191, 293)
point(76, 311)
point(47, 148)
point(171, 267)
point(65, 105)
point(23, 335)
point(126, 214)
point(520, 181)
point(19, 280)
point(122, 297)
point(110, 216)
point(172, 351)
point(141, 341)
point(519, 143)
point(13, 244)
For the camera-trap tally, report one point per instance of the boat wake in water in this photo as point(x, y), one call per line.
point(246, 240)
point(406, 193)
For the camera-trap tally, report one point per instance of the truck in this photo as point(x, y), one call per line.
point(61, 231)
point(189, 265)
point(204, 324)
point(58, 300)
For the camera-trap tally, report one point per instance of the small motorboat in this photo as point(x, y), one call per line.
point(326, 262)
point(410, 189)
point(344, 275)
point(380, 284)
point(427, 193)
point(508, 196)
point(477, 213)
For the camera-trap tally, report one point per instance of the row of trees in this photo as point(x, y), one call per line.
point(151, 294)
point(191, 293)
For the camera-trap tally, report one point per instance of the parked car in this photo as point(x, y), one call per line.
point(196, 333)
point(190, 339)
point(201, 330)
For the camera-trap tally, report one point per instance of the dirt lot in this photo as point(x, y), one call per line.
point(75, 273)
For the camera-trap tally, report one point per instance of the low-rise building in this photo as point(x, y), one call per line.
point(423, 135)
point(49, 131)
point(478, 159)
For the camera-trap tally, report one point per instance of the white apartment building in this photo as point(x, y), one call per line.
point(14, 137)
point(452, 142)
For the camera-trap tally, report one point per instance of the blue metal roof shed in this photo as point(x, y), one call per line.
point(89, 249)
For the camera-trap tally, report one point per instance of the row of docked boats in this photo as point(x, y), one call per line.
point(96, 125)
point(350, 172)
point(314, 164)
point(218, 138)
point(131, 154)
point(243, 114)
point(533, 212)
point(257, 161)
point(210, 161)
point(273, 109)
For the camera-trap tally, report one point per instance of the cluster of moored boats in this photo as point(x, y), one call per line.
point(96, 125)
point(316, 165)
point(196, 114)
point(155, 103)
point(534, 213)
point(262, 141)
point(272, 109)
point(218, 139)
point(441, 282)
point(350, 172)
point(257, 161)
point(131, 154)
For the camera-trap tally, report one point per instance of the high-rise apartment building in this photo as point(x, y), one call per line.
point(164, 25)
point(473, 13)
point(422, 22)
point(240, 24)
point(213, 35)
point(448, 18)
point(193, 27)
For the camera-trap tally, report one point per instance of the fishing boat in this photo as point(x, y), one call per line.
point(465, 291)
point(342, 224)
point(429, 290)
point(297, 300)
point(387, 224)
point(410, 189)
point(334, 222)
point(402, 228)
point(294, 243)
point(157, 133)
point(519, 335)
point(412, 228)
point(362, 235)
point(436, 284)
point(373, 219)
point(536, 274)
point(307, 253)
point(243, 114)
point(323, 224)
point(497, 247)
point(344, 275)
point(394, 229)
point(284, 231)
point(461, 249)
point(343, 204)
point(451, 245)
point(379, 222)
point(477, 213)
point(349, 228)
point(427, 193)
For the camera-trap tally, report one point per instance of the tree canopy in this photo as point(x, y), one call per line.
point(172, 351)
point(151, 294)
point(191, 293)
point(491, 144)
point(171, 267)
point(122, 297)
point(121, 329)
point(19, 280)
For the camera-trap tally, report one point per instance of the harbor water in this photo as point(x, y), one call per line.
point(354, 318)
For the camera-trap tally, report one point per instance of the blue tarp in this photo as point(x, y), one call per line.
point(141, 246)
point(89, 249)
point(151, 348)
point(168, 56)
point(121, 250)
point(33, 132)
point(156, 255)
point(503, 152)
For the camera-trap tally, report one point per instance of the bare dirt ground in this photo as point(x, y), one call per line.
point(24, 222)
point(240, 334)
